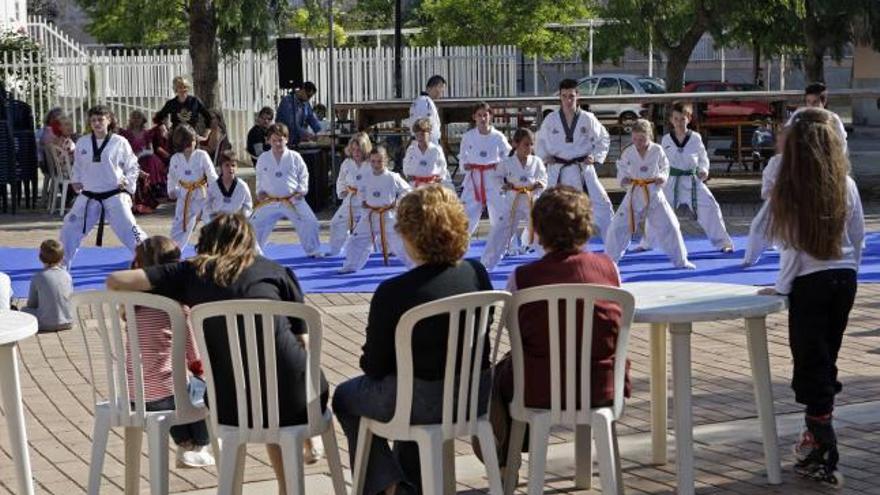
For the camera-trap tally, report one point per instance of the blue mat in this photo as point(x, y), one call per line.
point(92, 265)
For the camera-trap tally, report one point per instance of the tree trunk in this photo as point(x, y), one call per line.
point(756, 63)
point(675, 66)
point(203, 51)
point(814, 59)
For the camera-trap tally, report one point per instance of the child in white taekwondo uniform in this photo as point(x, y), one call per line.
point(282, 184)
point(424, 162)
point(228, 194)
point(689, 168)
point(189, 173)
point(105, 172)
point(524, 178)
point(816, 96)
point(643, 169)
point(758, 240)
point(572, 142)
point(423, 106)
point(379, 193)
point(482, 149)
point(351, 173)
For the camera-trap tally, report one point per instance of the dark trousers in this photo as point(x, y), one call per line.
point(196, 433)
point(819, 306)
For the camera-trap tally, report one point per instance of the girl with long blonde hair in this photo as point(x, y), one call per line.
point(816, 220)
point(352, 172)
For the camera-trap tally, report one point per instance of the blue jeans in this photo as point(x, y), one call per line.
point(196, 433)
point(363, 396)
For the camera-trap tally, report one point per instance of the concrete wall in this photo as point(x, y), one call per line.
point(866, 74)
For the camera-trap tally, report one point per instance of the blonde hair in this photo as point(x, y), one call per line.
point(433, 220)
point(422, 125)
point(809, 200)
point(226, 247)
point(362, 139)
point(644, 127)
point(181, 81)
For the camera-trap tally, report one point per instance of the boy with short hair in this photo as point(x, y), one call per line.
point(228, 194)
point(424, 107)
point(424, 162)
point(50, 291)
point(256, 138)
point(282, 184)
point(816, 96)
point(105, 173)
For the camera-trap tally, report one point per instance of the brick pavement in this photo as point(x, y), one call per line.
point(58, 400)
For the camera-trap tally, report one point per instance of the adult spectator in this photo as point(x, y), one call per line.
point(424, 107)
point(296, 112)
point(218, 139)
point(227, 266)
point(257, 136)
point(48, 134)
point(434, 228)
point(184, 108)
point(562, 221)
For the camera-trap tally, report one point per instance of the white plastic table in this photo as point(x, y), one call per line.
point(676, 306)
point(15, 326)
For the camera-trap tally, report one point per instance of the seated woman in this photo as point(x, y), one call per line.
point(434, 228)
point(562, 219)
point(226, 266)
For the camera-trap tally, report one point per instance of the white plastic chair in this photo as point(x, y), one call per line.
point(100, 314)
point(234, 438)
point(435, 441)
point(578, 414)
point(58, 166)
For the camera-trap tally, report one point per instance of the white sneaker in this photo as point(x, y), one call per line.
point(198, 457)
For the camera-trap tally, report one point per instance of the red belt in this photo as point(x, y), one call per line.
point(421, 180)
point(480, 193)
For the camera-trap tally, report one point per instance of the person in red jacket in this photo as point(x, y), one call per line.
point(562, 219)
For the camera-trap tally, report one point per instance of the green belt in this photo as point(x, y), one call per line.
point(678, 173)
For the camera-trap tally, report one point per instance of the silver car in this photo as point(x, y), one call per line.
point(619, 84)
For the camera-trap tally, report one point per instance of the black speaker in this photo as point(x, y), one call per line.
point(290, 62)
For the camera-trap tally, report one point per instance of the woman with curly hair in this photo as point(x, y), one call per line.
point(434, 228)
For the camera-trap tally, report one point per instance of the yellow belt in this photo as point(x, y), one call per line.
point(527, 191)
point(380, 210)
point(351, 192)
point(285, 200)
point(643, 183)
point(190, 187)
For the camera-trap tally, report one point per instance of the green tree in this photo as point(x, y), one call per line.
point(20, 78)
point(209, 27)
point(830, 25)
point(522, 23)
point(312, 20)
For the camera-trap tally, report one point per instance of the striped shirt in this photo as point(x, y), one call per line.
point(154, 336)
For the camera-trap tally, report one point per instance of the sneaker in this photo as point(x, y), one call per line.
point(197, 457)
point(817, 455)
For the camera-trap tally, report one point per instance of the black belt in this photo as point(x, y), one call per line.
point(574, 161)
point(99, 197)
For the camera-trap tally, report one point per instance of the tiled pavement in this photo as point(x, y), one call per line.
point(58, 402)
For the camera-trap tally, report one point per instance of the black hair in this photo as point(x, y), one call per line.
point(435, 80)
point(568, 84)
point(519, 135)
point(310, 87)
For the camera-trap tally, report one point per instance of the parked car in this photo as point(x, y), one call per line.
point(731, 109)
point(617, 84)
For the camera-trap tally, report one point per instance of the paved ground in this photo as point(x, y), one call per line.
point(58, 400)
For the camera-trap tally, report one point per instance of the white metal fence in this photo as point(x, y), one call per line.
point(128, 80)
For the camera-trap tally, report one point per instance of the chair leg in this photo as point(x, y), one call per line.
point(490, 456)
point(64, 187)
point(583, 457)
point(331, 450)
point(514, 455)
point(100, 434)
point(449, 467)
point(609, 457)
point(227, 466)
point(431, 463)
point(133, 441)
point(292, 458)
point(539, 432)
point(361, 457)
point(157, 442)
point(240, 457)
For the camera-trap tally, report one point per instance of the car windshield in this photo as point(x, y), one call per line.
point(651, 86)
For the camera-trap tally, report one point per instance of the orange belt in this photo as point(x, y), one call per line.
point(643, 183)
point(380, 210)
point(527, 191)
point(285, 200)
point(351, 192)
point(480, 193)
point(421, 180)
point(190, 187)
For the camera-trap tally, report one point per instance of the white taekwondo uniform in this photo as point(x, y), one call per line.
point(188, 181)
point(482, 186)
point(351, 175)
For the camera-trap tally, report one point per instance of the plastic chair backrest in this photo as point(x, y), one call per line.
point(574, 412)
point(112, 313)
point(247, 311)
point(475, 309)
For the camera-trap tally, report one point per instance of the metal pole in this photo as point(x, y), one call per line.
point(535, 76)
point(782, 72)
point(591, 48)
point(331, 97)
point(651, 52)
point(398, 50)
point(723, 68)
